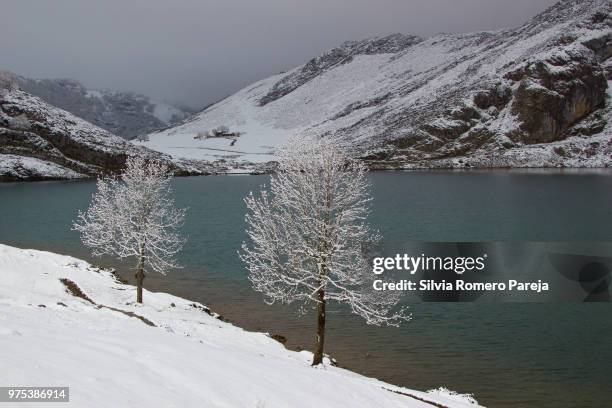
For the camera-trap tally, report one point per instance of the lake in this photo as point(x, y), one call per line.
point(509, 354)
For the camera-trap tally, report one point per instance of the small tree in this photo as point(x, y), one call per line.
point(308, 236)
point(202, 135)
point(134, 216)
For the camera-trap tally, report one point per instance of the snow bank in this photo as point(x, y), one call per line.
point(14, 167)
point(189, 358)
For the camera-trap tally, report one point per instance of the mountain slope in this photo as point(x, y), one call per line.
point(124, 114)
point(39, 141)
point(531, 96)
point(67, 323)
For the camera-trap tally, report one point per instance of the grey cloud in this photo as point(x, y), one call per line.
point(197, 51)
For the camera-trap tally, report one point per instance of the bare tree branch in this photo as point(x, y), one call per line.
point(307, 231)
point(134, 216)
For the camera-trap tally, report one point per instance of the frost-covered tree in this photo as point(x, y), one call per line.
point(202, 135)
point(134, 216)
point(308, 235)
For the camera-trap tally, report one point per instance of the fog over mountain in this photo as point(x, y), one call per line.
point(198, 51)
point(537, 95)
point(534, 96)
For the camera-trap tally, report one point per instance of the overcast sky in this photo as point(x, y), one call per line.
point(197, 51)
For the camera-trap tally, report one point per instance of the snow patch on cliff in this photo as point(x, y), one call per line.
point(14, 167)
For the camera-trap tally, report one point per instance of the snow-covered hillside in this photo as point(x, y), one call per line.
point(125, 114)
point(531, 96)
point(39, 141)
point(66, 323)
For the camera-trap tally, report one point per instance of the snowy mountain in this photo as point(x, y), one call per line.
point(39, 141)
point(124, 114)
point(67, 323)
point(534, 96)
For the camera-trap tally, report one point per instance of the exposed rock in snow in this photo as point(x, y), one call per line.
point(67, 323)
point(534, 96)
point(29, 168)
point(39, 141)
point(124, 114)
point(30, 127)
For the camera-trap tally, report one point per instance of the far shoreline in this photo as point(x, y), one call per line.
point(510, 170)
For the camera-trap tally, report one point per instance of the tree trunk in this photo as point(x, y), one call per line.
point(140, 275)
point(320, 340)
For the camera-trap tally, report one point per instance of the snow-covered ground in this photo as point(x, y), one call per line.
point(256, 144)
point(168, 352)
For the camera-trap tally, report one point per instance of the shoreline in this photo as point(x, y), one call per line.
point(88, 302)
point(410, 356)
point(475, 170)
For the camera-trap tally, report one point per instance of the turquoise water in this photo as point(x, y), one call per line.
point(508, 354)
